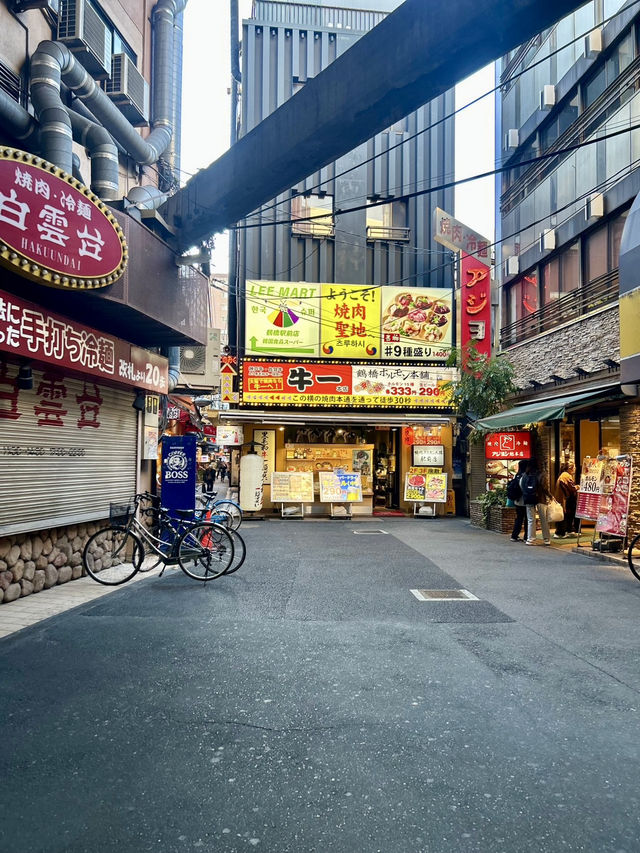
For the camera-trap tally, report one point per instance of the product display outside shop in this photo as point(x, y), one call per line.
point(613, 512)
point(425, 485)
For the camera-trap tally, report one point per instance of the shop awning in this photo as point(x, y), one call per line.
point(553, 409)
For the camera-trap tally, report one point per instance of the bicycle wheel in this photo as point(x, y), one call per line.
point(205, 551)
point(634, 559)
point(220, 516)
point(112, 556)
point(233, 509)
point(239, 552)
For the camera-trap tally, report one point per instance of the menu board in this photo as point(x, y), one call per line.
point(591, 485)
point(425, 484)
point(340, 487)
point(614, 503)
point(292, 487)
point(428, 455)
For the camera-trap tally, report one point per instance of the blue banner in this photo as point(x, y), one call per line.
point(179, 471)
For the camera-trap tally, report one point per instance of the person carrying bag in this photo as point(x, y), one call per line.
point(536, 497)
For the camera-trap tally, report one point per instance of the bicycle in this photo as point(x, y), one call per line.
point(223, 505)
point(204, 550)
point(634, 559)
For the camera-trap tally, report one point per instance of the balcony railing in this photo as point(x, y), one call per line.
point(390, 233)
point(317, 228)
point(599, 292)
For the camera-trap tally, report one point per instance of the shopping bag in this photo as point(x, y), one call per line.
point(555, 511)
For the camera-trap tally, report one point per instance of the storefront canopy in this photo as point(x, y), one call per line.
point(542, 410)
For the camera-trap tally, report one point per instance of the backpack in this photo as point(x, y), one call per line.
point(529, 486)
point(514, 492)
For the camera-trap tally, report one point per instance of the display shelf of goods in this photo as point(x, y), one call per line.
point(324, 457)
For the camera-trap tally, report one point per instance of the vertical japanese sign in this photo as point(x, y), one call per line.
point(179, 471)
point(151, 421)
point(475, 304)
point(266, 438)
point(282, 317)
point(613, 513)
point(66, 235)
point(350, 321)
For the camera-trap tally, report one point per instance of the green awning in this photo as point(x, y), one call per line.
point(542, 410)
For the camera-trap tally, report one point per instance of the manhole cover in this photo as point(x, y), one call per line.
point(370, 533)
point(443, 595)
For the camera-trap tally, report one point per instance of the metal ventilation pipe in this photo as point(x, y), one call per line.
point(102, 152)
point(173, 354)
point(15, 118)
point(234, 20)
point(52, 63)
point(146, 197)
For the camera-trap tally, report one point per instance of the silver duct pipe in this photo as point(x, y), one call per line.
point(15, 118)
point(77, 174)
point(173, 354)
point(174, 149)
point(102, 153)
point(53, 63)
point(146, 197)
point(235, 41)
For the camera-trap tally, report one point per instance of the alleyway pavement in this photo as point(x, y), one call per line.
point(313, 701)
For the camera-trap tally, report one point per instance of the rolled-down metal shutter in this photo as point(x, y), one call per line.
point(67, 448)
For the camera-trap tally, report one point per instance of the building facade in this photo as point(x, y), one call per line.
point(568, 102)
point(354, 224)
point(93, 308)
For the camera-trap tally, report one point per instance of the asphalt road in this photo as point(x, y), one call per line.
point(311, 703)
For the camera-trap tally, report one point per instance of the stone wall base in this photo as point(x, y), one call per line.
point(31, 562)
point(501, 518)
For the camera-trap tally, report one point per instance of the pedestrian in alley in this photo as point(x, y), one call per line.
point(222, 469)
point(209, 478)
point(536, 497)
point(514, 492)
point(566, 493)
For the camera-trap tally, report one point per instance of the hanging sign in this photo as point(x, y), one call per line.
point(508, 445)
point(590, 492)
point(475, 304)
point(266, 439)
point(429, 455)
point(229, 436)
point(614, 504)
point(53, 229)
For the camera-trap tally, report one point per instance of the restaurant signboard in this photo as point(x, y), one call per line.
point(591, 485)
point(28, 331)
point(53, 229)
point(508, 445)
point(613, 513)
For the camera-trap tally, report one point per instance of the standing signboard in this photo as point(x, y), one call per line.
point(339, 486)
point(591, 483)
point(614, 503)
point(292, 487)
point(428, 485)
point(179, 471)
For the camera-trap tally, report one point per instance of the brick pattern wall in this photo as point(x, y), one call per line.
point(630, 443)
point(584, 344)
point(501, 519)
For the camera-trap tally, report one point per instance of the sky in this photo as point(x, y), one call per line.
point(206, 117)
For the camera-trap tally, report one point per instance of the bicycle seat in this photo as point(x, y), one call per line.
point(183, 513)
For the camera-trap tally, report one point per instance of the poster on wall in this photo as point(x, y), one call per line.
point(340, 486)
point(416, 323)
point(614, 504)
point(292, 487)
point(229, 436)
point(266, 439)
point(282, 317)
point(428, 455)
point(350, 321)
point(590, 492)
point(427, 485)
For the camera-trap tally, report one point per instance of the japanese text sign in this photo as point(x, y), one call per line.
point(430, 455)
point(508, 445)
point(340, 486)
point(350, 321)
point(346, 384)
point(475, 304)
point(27, 330)
point(53, 229)
point(292, 487)
point(450, 232)
point(425, 484)
point(282, 317)
point(613, 513)
point(591, 484)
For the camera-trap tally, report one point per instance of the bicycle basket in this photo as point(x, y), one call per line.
point(120, 513)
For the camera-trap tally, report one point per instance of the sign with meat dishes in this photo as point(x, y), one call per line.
point(426, 485)
point(613, 512)
point(591, 486)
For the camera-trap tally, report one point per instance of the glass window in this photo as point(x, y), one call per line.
point(570, 268)
point(388, 222)
point(595, 87)
point(615, 236)
point(304, 206)
point(596, 255)
point(550, 281)
point(610, 435)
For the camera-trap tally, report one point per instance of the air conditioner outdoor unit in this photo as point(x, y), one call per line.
point(594, 206)
point(547, 240)
point(128, 89)
point(511, 139)
point(593, 43)
point(200, 365)
point(547, 97)
point(86, 35)
point(512, 266)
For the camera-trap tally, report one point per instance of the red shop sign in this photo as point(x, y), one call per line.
point(29, 331)
point(475, 306)
point(508, 445)
point(53, 229)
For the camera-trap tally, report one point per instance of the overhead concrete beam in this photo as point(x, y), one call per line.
point(416, 53)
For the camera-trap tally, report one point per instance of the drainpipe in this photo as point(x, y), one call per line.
point(173, 354)
point(236, 78)
point(102, 152)
point(53, 63)
point(174, 150)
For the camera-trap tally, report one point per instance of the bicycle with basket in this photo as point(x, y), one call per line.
point(204, 549)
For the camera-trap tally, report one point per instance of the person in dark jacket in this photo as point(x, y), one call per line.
point(536, 497)
point(519, 504)
point(209, 478)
